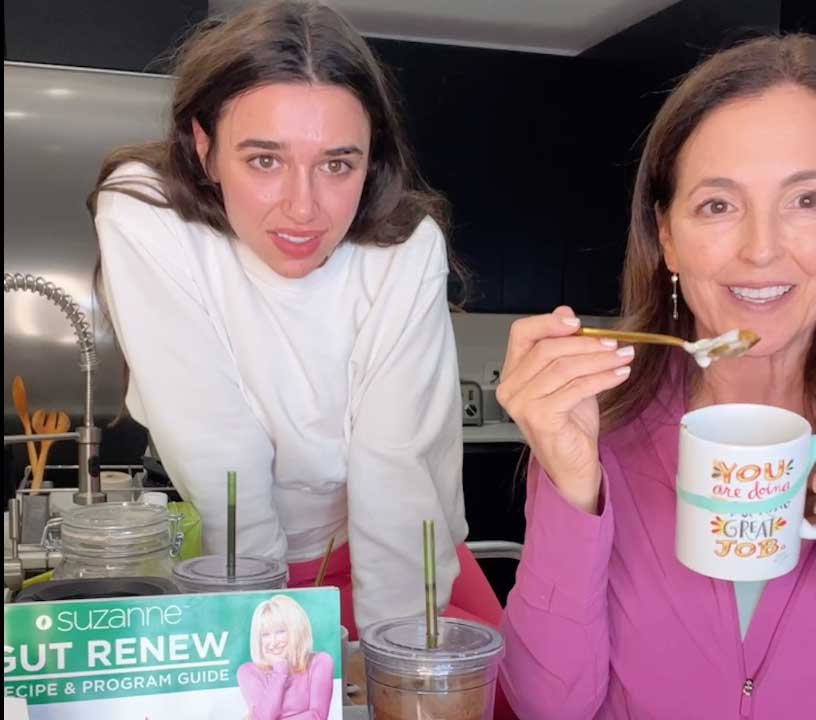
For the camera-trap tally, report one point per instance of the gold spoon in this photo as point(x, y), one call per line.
point(731, 344)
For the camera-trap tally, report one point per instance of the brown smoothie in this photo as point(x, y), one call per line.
point(392, 697)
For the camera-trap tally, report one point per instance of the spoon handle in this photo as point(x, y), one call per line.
point(18, 395)
point(39, 472)
point(633, 337)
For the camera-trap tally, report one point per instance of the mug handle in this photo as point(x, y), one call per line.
point(808, 531)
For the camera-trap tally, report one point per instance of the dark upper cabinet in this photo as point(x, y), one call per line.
point(533, 151)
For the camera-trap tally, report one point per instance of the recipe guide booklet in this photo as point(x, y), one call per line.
point(176, 657)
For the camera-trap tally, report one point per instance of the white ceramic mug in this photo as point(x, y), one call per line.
point(742, 477)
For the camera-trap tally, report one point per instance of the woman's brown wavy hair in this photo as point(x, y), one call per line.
point(280, 42)
point(742, 71)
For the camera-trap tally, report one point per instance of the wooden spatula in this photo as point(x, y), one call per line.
point(18, 395)
point(49, 423)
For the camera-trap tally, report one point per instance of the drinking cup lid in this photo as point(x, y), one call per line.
point(401, 646)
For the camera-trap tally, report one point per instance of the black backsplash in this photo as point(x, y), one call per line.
point(536, 153)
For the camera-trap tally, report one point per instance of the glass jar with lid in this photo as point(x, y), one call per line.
point(117, 540)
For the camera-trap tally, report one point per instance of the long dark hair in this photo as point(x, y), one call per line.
point(745, 70)
point(279, 42)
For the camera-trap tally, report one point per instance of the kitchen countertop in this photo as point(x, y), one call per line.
point(492, 432)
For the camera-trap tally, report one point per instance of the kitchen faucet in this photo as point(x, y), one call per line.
point(87, 435)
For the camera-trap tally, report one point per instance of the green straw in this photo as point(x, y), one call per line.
point(231, 501)
point(429, 553)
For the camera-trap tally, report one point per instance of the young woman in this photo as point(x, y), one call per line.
point(276, 273)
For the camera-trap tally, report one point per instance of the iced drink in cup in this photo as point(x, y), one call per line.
point(407, 681)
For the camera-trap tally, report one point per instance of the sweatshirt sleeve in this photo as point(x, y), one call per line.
point(405, 455)
point(556, 629)
point(183, 381)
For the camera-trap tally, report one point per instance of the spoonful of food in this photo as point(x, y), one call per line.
point(705, 351)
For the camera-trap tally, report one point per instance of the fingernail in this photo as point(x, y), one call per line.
point(623, 371)
point(572, 322)
point(609, 343)
point(626, 351)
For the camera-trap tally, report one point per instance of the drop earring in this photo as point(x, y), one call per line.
point(674, 278)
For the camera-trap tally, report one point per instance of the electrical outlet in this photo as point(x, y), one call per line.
point(471, 403)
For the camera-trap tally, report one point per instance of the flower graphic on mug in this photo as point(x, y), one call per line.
point(721, 471)
point(717, 526)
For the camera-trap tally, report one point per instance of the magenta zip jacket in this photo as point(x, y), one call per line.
point(605, 623)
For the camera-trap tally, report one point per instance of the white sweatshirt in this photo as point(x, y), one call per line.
point(335, 397)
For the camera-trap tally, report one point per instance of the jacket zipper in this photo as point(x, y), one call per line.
point(745, 700)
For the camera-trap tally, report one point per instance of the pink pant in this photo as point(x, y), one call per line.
point(472, 598)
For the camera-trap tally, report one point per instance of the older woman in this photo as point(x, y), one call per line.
point(604, 621)
point(285, 679)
